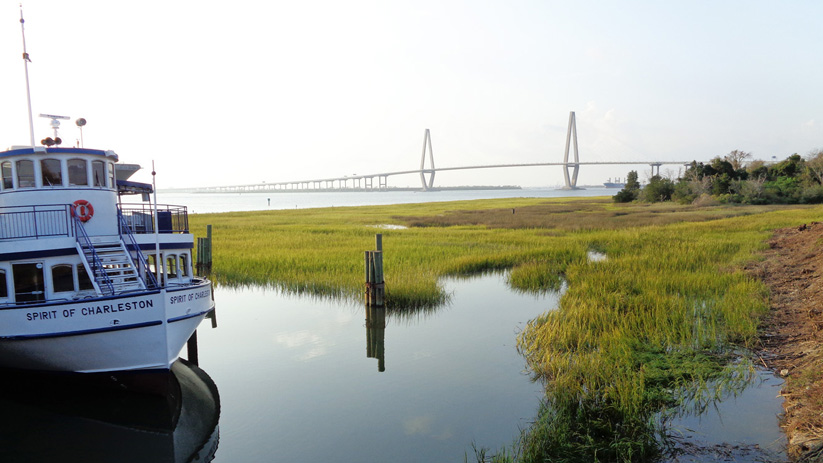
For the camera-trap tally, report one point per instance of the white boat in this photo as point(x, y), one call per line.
point(80, 285)
point(87, 283)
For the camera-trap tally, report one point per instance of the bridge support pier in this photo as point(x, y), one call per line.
point(427, 145)
point(571, 177)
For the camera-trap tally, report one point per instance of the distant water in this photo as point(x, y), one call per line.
point(201, 203)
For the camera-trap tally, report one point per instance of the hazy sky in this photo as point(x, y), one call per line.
point(220, 93)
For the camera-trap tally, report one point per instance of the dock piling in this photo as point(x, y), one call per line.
point(203, 266)
point(375, 286)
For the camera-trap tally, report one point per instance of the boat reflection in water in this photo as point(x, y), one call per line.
point(146, 416)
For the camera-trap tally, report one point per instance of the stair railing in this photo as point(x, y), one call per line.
point(97, 270)
point(142, 266)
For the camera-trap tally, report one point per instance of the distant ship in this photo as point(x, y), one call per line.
point(615, 184)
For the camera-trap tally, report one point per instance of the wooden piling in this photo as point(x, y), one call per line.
point(375, 287)
point(204, 255)
point(191, 346)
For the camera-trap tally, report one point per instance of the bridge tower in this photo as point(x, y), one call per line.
point(427, 146)
point(571, 134)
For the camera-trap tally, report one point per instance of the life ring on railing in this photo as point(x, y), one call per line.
point(82, 209)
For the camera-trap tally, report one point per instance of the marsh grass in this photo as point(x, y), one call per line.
point(639, 332)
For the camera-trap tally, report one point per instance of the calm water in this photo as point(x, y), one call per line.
point(743, 428)
point(299, 381)
point(296, 383)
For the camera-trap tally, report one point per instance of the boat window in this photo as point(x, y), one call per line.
point(151, 261)
point(78, 175)
point(98, 173)
point(25, 174)
point(4, 286)
point(112, 183)
point(50, 172)
point(62, 278)
point(83, 280)
point(184, 265)
point(28, 282)
point(171, 266)
point(8, 182)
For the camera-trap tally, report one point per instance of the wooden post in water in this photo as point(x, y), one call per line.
point(375, 286)
point(204, 253)
point(208, 251)
point(191, 346)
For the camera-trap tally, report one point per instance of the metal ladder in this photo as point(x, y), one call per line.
point(108, 262)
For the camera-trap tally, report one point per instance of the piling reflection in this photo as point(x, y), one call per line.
point(124, 417)
point(376, 335)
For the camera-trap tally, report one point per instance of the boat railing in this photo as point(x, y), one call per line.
point(142, 266)
point(42, 221)
point(140, 219)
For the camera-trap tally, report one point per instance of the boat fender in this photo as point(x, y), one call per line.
point(82, 209)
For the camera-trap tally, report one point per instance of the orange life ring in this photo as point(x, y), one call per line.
point(82, 209)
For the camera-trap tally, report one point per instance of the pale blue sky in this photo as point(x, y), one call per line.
point(251, 91)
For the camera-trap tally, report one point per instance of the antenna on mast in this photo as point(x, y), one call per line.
point(26, 62)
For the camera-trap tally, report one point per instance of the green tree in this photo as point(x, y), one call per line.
point(631, 181)
point(791, 167)
point(814, 162)
point(630, 191)
point(658, 189)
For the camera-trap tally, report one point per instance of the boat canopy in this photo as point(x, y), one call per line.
point(125, 187)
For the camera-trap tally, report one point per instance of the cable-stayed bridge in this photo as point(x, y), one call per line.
point(571, 169)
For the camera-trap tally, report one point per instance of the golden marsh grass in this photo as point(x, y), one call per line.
point(661, 313)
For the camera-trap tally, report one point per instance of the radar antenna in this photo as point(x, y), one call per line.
point(55, 124)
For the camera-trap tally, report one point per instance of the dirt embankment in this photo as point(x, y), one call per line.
point(792, 336)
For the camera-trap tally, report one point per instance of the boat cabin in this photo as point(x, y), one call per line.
point(66, 234)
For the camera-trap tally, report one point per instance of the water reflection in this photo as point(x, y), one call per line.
point(376, 335)
point(732, 418)
point(295, 382)
point(123, 417)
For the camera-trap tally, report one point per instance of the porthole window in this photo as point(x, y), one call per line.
point(8, 181)
point(184, 265)
point(25, 174)
point(50, 172)
point(83, 280)
point(112, 181)
point(171, 266)
point(61, 278)
point(151, 261)
point(4, 286)
point(98, 173)
point(78, 174)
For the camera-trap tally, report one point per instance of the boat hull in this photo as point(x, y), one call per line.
point(144, 330)
point(122, 417)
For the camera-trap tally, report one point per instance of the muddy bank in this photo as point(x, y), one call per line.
point(792, 334)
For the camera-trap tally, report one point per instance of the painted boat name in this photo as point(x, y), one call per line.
point(178, 299)
point(91, 310)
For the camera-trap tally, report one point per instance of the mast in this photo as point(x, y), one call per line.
point(159, 264)
point(26, 62)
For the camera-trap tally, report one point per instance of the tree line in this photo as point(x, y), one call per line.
point(733, 178)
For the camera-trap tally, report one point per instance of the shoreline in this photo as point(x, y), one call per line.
point(792, 333)
point(263, 189)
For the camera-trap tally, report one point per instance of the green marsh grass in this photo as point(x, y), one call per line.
point(634, 334)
